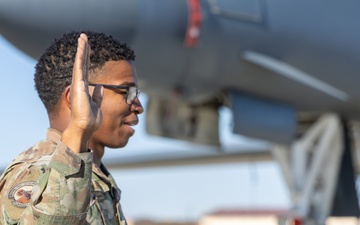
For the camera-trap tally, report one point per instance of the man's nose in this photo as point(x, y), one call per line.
point(136, 106)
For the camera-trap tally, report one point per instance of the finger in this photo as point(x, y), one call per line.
point(86, 64)
point(98, 118)
point(88, 47)
point(80, 58)
point(86, 58)
point(84, 36)
point(91, 90)
point(98, 94)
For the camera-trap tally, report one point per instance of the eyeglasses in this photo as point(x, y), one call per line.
point(132, 92)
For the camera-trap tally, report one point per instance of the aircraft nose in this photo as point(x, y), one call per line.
point(32, 24)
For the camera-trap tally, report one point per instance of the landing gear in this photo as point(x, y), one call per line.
point(311, 167)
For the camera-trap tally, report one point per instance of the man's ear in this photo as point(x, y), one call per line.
point(67, 97)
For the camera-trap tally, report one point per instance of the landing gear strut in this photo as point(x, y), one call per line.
point(311, 167)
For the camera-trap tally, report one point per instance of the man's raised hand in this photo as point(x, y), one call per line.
point(85, 109)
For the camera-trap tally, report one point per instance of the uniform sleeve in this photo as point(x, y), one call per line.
point(61, 194)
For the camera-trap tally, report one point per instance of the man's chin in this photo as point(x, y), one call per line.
point(118, 145)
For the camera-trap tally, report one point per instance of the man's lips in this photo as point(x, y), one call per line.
point(131, 123)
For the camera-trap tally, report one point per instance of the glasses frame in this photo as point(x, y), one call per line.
point(129, 98)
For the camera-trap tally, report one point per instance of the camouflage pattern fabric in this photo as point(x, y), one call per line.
point(50, 184)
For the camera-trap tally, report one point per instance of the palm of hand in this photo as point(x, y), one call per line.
point(85, 109)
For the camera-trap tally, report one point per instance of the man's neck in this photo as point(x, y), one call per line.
point(98, 153)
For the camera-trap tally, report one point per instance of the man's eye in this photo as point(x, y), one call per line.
point(121, 92)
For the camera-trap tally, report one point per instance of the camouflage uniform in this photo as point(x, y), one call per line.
point(50, 184)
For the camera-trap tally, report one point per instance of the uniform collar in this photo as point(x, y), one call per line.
point(53, 135)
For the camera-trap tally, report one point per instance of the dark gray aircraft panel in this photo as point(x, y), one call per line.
point(32, 25)
point(315, 39)
point(280, 58)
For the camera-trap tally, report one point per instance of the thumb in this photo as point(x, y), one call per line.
point(98, 94)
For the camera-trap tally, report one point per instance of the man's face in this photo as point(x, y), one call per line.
point(117, 115)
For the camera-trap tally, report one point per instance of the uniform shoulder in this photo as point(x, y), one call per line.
point(16, 187)
point(37, 157)
point(39, 150)
point(19, 178)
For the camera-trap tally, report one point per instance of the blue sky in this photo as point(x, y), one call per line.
point(170, 193)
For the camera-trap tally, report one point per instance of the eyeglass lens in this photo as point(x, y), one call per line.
point(132, 94)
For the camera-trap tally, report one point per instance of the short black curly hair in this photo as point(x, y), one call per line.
point(53, 71)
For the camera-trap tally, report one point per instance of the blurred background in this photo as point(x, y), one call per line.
point(223, 82)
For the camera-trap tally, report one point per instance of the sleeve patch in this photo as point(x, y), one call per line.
point(20, 195)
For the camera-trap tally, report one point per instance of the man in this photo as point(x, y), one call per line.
point(90, 95)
